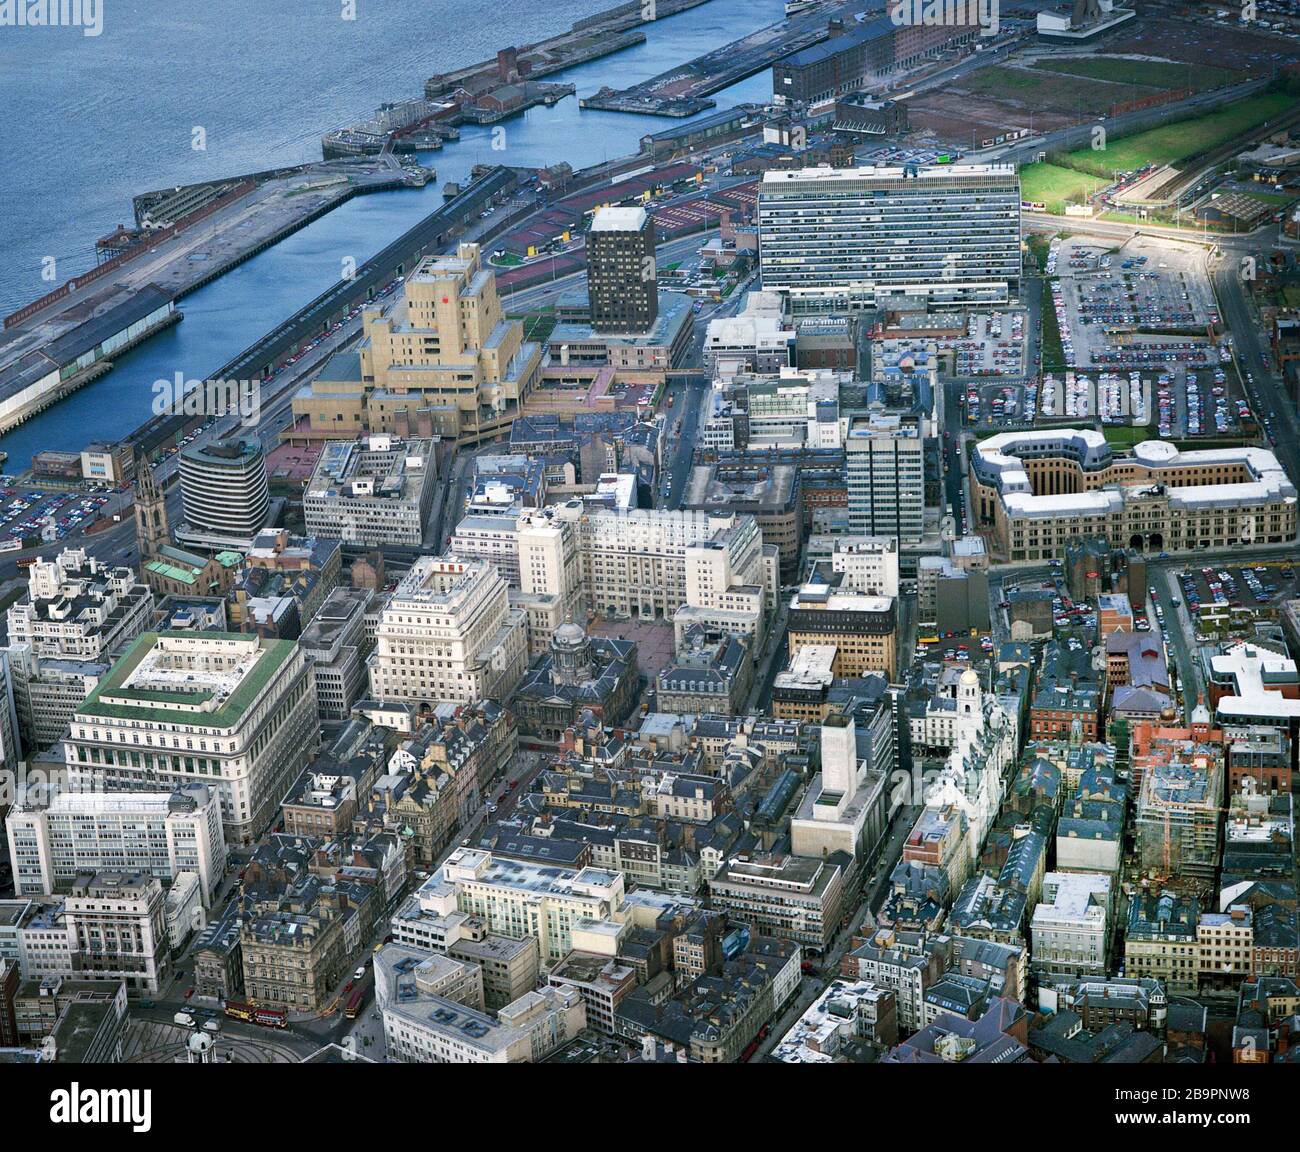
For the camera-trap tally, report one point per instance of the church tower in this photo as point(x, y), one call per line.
point(151, 531)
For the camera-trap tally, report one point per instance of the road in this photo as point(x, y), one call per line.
point(862, 921)
point(1264, 389)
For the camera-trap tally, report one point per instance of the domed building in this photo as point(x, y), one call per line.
point(571, 654)
point(579, 673)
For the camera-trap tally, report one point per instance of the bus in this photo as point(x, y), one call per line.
point(251, 1014)
point(353, 1009)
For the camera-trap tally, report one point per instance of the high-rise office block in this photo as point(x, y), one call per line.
point(885, 469)
point(621, 281)
point(224, 494)
point(833, 238)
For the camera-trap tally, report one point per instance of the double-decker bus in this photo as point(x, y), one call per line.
point(251, 1014)
point(353, 1008)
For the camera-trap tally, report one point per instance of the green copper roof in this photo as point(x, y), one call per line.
point(274, 654)
point(172, 572)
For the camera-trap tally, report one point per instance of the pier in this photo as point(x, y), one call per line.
point(685, 90)
point(261, 359)
point(590, 39)
point(185, 238)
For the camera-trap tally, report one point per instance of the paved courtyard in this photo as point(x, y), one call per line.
point(654, 640)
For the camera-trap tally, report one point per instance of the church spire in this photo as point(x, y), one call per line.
point(151, 529)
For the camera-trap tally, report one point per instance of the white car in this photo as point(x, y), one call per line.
point(360, 973)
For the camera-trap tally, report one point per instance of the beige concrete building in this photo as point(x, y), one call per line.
point(118, 928)
point(448, 633)
point(861, 629)
point(1039, 489)
point(439, 360)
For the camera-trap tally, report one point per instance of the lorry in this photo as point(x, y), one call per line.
point(184, 1019)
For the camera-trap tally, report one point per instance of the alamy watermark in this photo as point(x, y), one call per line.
point(181, 397)
point(981, 14)
point(36, 785)
point(125, 1106)
point(88, 15)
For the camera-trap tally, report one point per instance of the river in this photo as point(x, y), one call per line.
point(100, 119)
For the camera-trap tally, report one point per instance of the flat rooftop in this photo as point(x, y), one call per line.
point(207, 678)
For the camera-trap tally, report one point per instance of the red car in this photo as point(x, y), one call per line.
point(188, 993)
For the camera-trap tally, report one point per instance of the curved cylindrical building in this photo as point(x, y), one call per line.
point(224, 493)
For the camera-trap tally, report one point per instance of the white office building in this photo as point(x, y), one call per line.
point(234, 712)
point(650, 562)
point(162, 833)
point(77, 611)
point(842, 238)
point(448, 634)
point(518, 898)
point(756, 340)
point(492, 538)
point(869, 564)
point(374, 491)
point(1070, 930)
point(427, 1019)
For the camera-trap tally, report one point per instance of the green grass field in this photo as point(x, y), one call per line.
point(1048, 90)
point(1275, 199)
point(1055, 186)
point(1146, 73)
point(1124, 436)
point(1053, 350)
point(1181, 140)
point(537, 325)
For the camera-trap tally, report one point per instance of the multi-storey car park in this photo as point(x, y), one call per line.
point(1038, 489)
